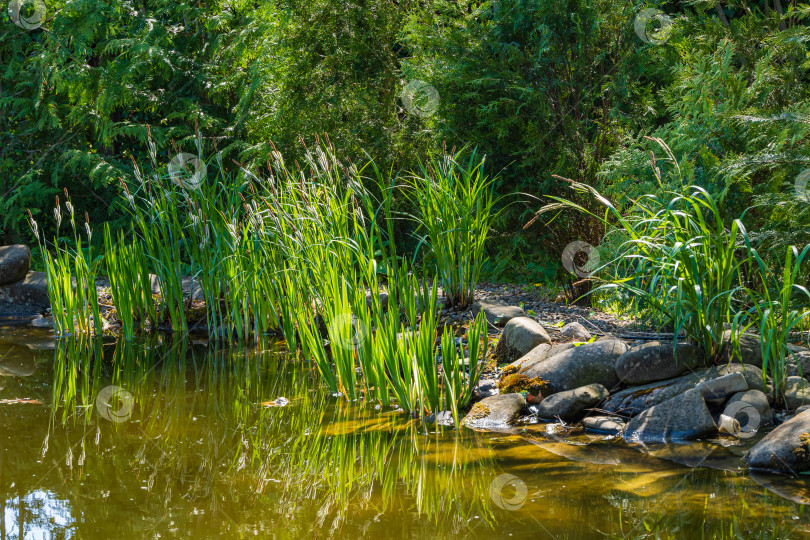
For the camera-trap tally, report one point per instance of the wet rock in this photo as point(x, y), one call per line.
point(569, 404)
point(31, 291)
point(750, 352)
point(497, 313)
point(40, 322)
point(655, 362)
point(442, 418)
point(797, 392)
point(575, 331)
point(683, 417)
point(520, 335)
point(486, 388)
point(632, 401)
point(609, 425)
point(15, 262)
point(717, 390)
point(786, 449)
point(495, 411)
point(580, 366)
point(751, 409)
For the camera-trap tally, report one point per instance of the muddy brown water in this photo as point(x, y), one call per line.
point(166, 437)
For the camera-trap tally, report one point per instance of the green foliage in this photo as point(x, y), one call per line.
point(736, 118)
point(774, 312)
point(454, 200)
point(71, 276)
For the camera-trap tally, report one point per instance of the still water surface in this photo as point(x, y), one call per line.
point(166, 437)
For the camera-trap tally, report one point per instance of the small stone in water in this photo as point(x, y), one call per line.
point(278, 402)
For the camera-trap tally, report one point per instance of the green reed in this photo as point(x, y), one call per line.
point(130, 283)
point(458, 385)
point(71, 276)
point(455, 208)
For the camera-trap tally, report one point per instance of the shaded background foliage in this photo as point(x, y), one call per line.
point(542, 88)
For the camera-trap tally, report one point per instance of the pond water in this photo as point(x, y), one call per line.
point(167, 437)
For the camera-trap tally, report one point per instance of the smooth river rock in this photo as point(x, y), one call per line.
point(797, 392)
point(750, 351)
point(575, 331)
point(683, 417)
point(786, 449)
point(569, 404)
point(495, 411)
point(496, 312)
point(609, 425)
point(655, 362)
point(592, 363)
point(632, 401)
point(799, 364)
point(519, 336)
point(536, 355)
point(31, 291)
point(15, 261)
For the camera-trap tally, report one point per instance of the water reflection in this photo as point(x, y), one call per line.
point(36, 516)
point(198, 442)
point(209, 449)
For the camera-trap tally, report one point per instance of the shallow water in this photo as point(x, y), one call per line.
point(199, 445)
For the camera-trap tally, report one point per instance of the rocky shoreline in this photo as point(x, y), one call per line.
point(646, 393)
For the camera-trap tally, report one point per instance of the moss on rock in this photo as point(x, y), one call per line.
point(519, 382)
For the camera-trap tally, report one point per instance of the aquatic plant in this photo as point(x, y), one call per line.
point(455, 208)
point(459, 385)
point(130, 282)
point(71, 276)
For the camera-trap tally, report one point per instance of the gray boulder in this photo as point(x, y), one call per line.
point(609, 425)
point(655, 362)
point(31, 291)
point(519, 336)
point(750, 352)
point(495, 411)
point(719, 389)
point(536, 355)
point(799, 363)
point(575, 331)
point(632, 401)
point(496, 312)
point(797, 392)
point(15, 261)
point(786, 449)
point(683, 417)
point(569, 404)
point(580, 366)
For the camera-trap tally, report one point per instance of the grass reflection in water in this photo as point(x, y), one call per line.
point(205, 428)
